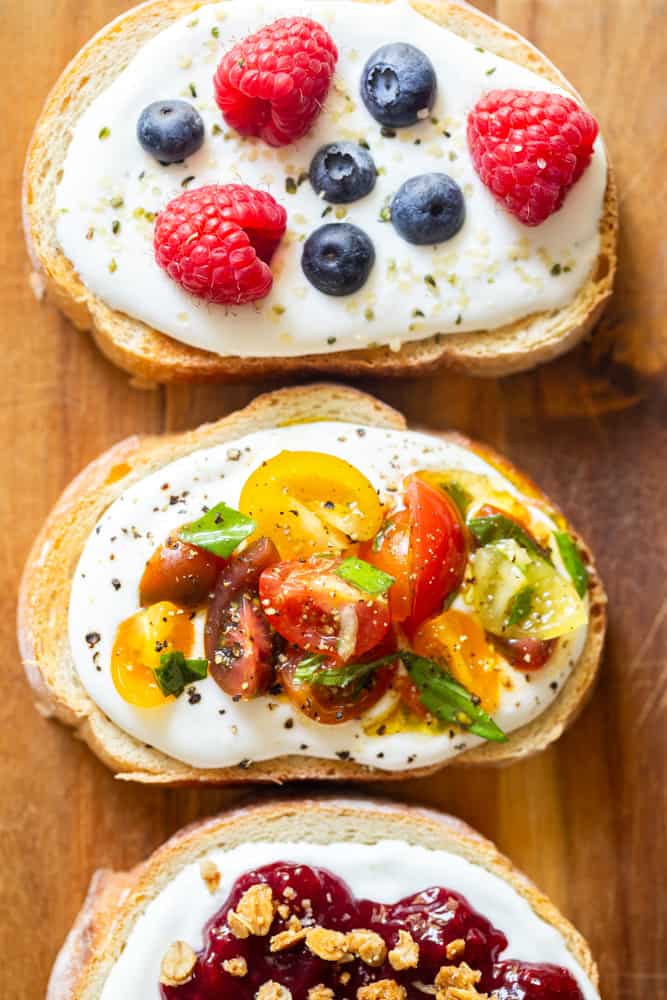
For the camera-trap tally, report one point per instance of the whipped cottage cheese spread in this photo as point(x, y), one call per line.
point(217, 731)
point(493, 272)
point(182, 909)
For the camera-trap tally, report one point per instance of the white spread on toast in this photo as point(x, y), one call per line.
point(495, 271)
point(183, 907)
point(216, 731)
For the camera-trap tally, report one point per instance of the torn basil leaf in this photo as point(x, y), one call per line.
point(176, 672)
point(219, 531)
point(364, 577)
point(574, 564)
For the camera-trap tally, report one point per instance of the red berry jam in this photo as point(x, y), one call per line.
point(434, 918)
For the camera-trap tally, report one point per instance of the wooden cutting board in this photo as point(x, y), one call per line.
point(587, 819)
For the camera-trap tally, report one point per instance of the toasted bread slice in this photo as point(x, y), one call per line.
point(116, 900)
point(154, 357)
point(45, 589)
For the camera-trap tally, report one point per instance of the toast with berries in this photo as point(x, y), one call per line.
point(152, 356)
point(51, 571)
point(118, 901)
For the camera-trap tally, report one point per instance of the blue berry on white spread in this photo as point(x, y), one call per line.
point(428, 209)
point(338, 258)
point(170, 131)
point(342, 172)
point(398, 85)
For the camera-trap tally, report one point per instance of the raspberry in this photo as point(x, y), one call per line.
point(529, 148)
point(273, 84)
point(217, 241)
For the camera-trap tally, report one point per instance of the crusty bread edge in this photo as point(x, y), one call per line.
point(155, 357)
point(115, 901)
point(44, 598)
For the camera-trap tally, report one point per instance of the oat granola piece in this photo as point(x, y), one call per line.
point(329, 945)
point(368, 946)
point(405, 954)
point(236, 966)
point(273, 991)
point(210, 873)
point(177, 964)
point(383, 989)
point(253, 913)
point(458, 982)
point(290, 936)
point(320, 992)
point(455, 948)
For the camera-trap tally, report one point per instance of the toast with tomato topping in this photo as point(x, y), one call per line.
point(117, 901)
point(48, 578)
point(151, 356)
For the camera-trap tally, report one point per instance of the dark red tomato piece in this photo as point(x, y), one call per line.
point(237, 637)
point(313, 608)
point(331, 705)
point(526, 654)
point(438, 547)
point(180, 573)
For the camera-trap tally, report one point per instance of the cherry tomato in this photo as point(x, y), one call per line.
point(313, 608)
point(237, 637)
point(308, 502)
point(456, 640)
point(331, 705)
point(526, 654)
point(179, 572)
point(139, 643)
point(424, 548)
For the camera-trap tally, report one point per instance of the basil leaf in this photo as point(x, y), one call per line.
point(219, 531)
point(448, 700)
point(494, 527)
point(364, 577)
point(574, 564)
point(310, 671)
point(175, 672)
point(458, 494)
point(521, 605)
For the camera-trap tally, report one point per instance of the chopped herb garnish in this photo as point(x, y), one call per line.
point(117, 201)
point(187, 180)
point(459, 495)
point(520, 606)
point(417, 313)
point(175, 672)
point(491, 71)
point(216, 129)
point(369, 314)
point(556, 270)
point(574, 564)
point(290, 185)
point(115, 227)
point(364, 144)
point(448, 700)
point(385, 211)
point(219, 531)
point(113, 266)
point(331, 340)
point(458, 320)
point(192, 89)
point(494, 527)
point(327, 211)
point(104, 133)
point(215, 31)
point(388, 133)
point(364, 577)
point(430, 280)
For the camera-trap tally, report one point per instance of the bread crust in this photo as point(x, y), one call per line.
point(115, 901)
point(155, 357)
point(45, 587)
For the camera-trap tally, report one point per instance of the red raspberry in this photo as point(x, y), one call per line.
point(529, 148)
point(273, 84)
point(217, 241)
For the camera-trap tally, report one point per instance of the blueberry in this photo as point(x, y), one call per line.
point(428, 209)
point(337, 258)
point(170, 130)
point(398, 83)
point(342, 172)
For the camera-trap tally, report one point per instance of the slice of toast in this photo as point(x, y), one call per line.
point(116, 900)
point(45, 588)
point(154, 357)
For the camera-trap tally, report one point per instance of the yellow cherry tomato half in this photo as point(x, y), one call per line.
point(308, 503)
point(140, 641)
point(457, 640)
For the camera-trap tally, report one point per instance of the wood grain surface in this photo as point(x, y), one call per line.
point(587, 820)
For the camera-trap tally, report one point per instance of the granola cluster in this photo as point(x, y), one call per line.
point(254, 915)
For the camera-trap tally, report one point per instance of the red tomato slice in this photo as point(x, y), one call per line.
point(331, 705)
point(313, 608)
point(438, 547)
point(424, 548)
point(526, 654)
